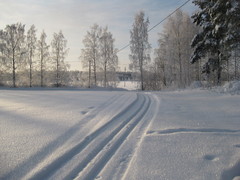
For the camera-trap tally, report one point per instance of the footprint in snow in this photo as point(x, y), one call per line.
point(210, 157)
point(84, 112)
point(237, 145)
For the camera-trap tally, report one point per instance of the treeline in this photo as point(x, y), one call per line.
point(31, 61)
point(204, 47)
point(171, 63)
point(28, 61)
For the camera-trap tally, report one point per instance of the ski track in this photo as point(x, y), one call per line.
point(88, 158)
point(33, 161)
point(96, 149)
point(47, 171)
point(114, 141)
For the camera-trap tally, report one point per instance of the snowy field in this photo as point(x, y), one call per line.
point(80, 134)
point(129, 85)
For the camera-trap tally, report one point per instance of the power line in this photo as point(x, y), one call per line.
point(158, 22)
point(123, 48)
point(169, 15)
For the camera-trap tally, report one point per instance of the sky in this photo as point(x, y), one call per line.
point(75, 17)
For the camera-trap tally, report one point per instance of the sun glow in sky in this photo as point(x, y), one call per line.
point(75, 17)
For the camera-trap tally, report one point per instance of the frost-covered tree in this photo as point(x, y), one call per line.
point(177, 31)
point(108, 55)
point(86, 59)
point(90, 53)
point(139, 45)
point(43, 56)
point(59, 52)
point(13, 49)
point(160, 62)
point(220, 31)
point(31, 47)
point(233, 36)
point(236, 63)
point(230, 20)
point(2, 58)
point(172, 55)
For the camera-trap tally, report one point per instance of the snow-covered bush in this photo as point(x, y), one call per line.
point(232, 87)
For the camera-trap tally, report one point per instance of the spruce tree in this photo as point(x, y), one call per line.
point(220, 31)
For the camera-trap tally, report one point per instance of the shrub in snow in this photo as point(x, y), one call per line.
point(232, 87)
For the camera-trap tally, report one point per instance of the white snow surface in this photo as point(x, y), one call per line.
point(129, 85)
point(81, 134)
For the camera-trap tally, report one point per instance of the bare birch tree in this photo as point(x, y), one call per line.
point(2, 57)
point(174, 51)
point(59, 52)
point(139, 45)
point(87, 63)
point(108, 53)
point(90, 54)
point(13, 47)
point(43, 54)
point(31, 47)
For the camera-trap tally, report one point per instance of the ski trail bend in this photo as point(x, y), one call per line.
point(37, 161)
point(106, 152)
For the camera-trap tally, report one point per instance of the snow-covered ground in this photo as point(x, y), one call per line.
point(129, 85)
point(80, 134)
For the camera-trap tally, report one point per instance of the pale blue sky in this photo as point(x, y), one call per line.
point(74, 18)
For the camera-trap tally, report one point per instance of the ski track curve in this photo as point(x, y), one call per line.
point(53, 167)
point(87, 159)
point(113, 142)
point(20, 171)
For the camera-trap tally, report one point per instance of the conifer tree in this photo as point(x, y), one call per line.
point(218, 34)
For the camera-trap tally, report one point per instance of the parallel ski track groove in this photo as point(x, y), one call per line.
point(93, 153)
point(23, 168)
point(52, 168)
point(131, 124)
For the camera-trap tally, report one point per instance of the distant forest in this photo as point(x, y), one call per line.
point(204, 47)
